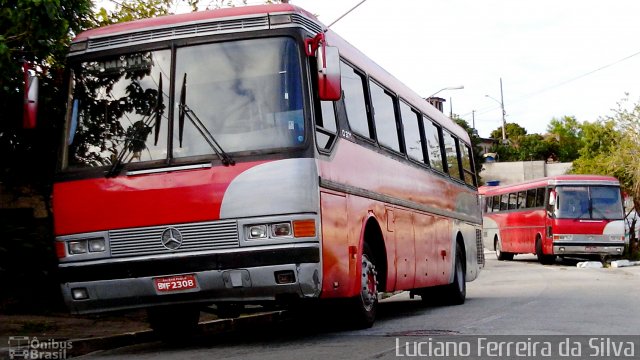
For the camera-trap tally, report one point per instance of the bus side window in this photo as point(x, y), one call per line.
point(384, 117)
point(531, 198)
point(450, 147)
point(513, 201)
point(412, 132)
point(522, 197)
point(467, 167)
point(326, 127)
point(504, 202)
point(432, 134)
point(496, 203)
point(540, 197)
point(353, 88)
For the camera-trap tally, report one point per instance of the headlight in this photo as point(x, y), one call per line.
point(281, 229)
point(563, 237)
point(97, 245)
point(78, 247)
point(257, 231)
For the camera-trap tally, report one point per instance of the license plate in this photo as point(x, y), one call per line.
point(591, 248)
point(176, 283)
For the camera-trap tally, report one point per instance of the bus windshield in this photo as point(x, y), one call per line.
point(589, 202)
point(247, 93)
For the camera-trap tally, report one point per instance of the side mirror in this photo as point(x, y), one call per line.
point(30, 110)
point(552, 198)
point(328, 65)
point(329, 85)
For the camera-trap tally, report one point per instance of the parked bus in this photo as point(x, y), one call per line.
point(234, 157)
point(560, 215)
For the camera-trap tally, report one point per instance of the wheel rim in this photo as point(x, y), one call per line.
point(498, 249)
point(369, 292)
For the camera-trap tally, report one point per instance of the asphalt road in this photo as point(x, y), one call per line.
point(518, 298)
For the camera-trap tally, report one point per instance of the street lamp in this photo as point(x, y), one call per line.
point(446, 88)
point(501, 102)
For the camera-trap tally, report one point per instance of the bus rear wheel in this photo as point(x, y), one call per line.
point(501, 255)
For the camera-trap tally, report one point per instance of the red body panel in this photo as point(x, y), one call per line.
point(414, 240)
point(144, 200)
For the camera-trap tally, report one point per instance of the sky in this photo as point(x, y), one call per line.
point(556, 58)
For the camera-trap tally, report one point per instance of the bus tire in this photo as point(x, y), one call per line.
point(542, 258)
point(456, 292)
point(501, 255)
point(174, 323)
point(365, 305)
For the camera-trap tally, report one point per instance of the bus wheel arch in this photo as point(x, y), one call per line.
point(371, 277)
point(501, 255)
point(542, 257)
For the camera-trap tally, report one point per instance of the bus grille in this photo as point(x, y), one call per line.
point(206, 236)
point(479, 247)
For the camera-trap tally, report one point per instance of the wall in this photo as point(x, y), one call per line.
point(519, 171)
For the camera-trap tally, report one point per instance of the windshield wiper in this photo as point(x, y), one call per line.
point(185, 110)
point(156, 113)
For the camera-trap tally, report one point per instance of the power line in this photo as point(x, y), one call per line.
point(537, 92)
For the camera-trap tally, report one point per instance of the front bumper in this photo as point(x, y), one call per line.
point(588, 248)
point(247, 275)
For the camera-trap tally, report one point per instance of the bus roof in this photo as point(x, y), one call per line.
point(183, 19)
point(347, 51)
point(550, 181)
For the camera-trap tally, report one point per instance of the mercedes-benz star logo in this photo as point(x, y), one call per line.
point(171, 238)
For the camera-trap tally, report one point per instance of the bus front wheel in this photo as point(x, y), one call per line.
point(542, 258)
point(365, 305)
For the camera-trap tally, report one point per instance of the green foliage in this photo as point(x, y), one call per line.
point(567, 133)
point(512, 130)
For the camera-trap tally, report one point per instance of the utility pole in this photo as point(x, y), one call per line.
point(504, 122)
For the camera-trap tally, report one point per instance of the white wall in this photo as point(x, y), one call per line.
point(519, 171)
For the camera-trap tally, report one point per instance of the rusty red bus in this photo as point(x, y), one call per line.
point(234, 157)
point(560, 215)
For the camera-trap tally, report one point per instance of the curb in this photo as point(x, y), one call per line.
point(212, 327)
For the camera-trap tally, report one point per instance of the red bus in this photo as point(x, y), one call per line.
point(561, 215)
point(234, 157)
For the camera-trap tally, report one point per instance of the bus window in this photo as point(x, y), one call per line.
point(606, 202)
point(540, 197)
point(354, 100)
point(513, 201)
point(504, 202)
point(452, 155)
point(496, 203)
point(522, 196)
point(412, 134)
point(469, 174)
point(573, 202)
point(531, 198)
point(486, 203)
point(384, 117)
point(432, 134)
point(327, 128)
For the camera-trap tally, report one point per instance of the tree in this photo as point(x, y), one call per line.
point(612, 147)
point(512, 130)
point(567, 133)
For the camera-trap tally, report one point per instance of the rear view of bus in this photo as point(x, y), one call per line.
point(555, 216)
